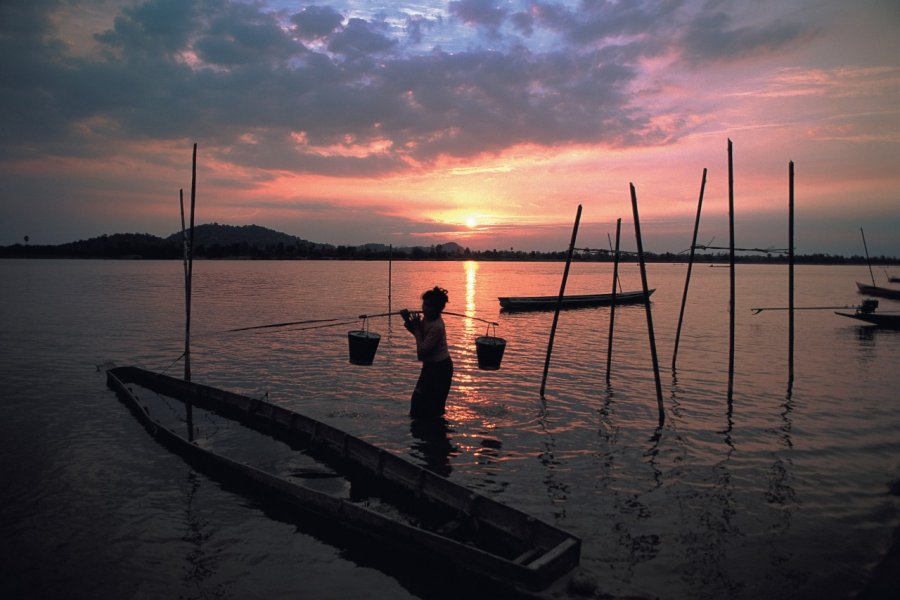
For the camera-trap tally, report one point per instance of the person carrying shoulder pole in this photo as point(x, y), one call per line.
point(430, 394)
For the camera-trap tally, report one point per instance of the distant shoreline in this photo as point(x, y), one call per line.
point(214, 241)
point(710, 260)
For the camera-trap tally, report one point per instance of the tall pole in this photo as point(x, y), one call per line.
point(190, 272)
point(868, 262)
point(562, 292)
point(791, 271)
point(390, 273)
point(687, 280)
point(640, 249)
point(189, 279)
point(612, 307)
point(731, 272)
point(184, 253)
point(611, 249)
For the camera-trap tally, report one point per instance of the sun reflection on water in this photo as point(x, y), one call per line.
point(472, 406)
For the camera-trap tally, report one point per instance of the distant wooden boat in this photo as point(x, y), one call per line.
point(883, 320)
point(511, 303)
point(866, 312)
point(881, 292)
point(391, 500)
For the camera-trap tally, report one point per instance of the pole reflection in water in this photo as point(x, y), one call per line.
point(201, 565)
point(557, 490)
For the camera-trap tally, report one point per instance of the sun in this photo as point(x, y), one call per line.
point(471, 222)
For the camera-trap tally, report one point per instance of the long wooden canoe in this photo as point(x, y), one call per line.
point(881, 292)
point(575, 301)
point(394, 500)
point(883, 320)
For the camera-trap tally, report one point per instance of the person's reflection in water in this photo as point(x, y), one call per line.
point(431, 441)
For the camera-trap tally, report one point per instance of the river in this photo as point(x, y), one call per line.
point(788, 491)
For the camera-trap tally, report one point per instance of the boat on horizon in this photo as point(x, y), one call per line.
point(351, 486)
point(514, 303)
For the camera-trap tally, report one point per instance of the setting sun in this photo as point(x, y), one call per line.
point(471, 222)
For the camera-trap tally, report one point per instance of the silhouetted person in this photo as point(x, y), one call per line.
point(430, 395)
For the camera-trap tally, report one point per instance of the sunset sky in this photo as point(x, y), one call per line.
point(484, 122)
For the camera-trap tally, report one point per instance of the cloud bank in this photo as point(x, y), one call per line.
point(332, 90)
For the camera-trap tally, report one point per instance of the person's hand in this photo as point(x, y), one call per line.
point(410, 320)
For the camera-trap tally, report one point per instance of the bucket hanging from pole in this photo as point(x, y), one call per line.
point(489, 350)
point(363, 345)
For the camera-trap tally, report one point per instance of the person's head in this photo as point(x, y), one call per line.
point(434, 301)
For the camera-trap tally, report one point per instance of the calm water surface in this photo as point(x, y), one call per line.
point(785, 493)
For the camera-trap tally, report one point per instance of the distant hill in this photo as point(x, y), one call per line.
point(117, 245)
point(253, 235)
point(212, 240)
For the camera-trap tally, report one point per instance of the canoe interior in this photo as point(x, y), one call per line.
point(383, 496)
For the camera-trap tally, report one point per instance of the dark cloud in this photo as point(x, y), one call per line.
point(360, 37)
point(26, 19)
point(154, 28)
point(712, 37)
point(478, 12)
point(594, 21)
point(316, 22)
point(417, 25)
point(232, 75)
point(28, 68)
point(241, 35)
point(523, 22)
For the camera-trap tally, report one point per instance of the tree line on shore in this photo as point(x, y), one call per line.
point(257, 243)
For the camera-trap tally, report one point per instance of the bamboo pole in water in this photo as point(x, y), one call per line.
point(687, 280)
point(791, 273)
point(612, 307)
point(868, 262)
point(188, 282)
point(189, 414)
point(731, 272)
point(640, 249)
point(562, 291)
point(189, 278)
point(390, 273)
point(185, 250)
point(611, 249)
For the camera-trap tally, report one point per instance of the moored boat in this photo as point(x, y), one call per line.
point(511, 303)
point(881, 292)
point(866, 312)
point(388, 499)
